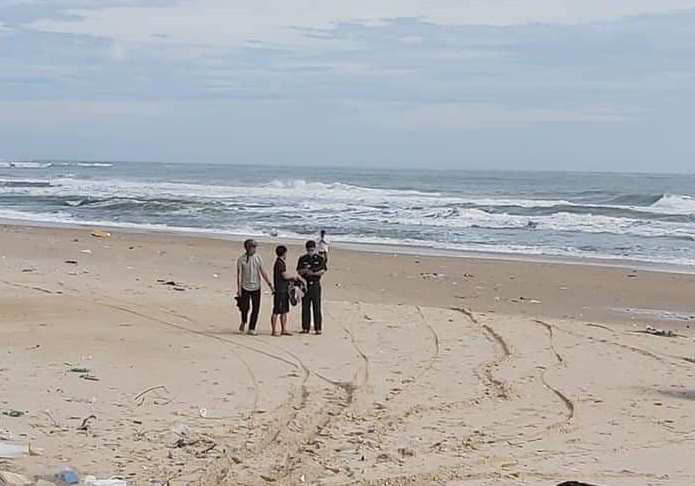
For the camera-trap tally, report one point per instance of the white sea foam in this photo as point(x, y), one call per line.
point(24, 165)
point(537, 250)
point(335, 192)
point(361, 213)
point(374, 205)
point(675, 204)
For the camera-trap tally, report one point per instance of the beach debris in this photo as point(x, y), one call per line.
point(28, 270)
point(86, 252)
point(574, 483)
point(52, 418)
point(384, 457)
point(67, 476)
point(13, 413)
point(71, 262)
point(100, 234)
point(267, 478)
point(8, 478)
point(659, 332)
point(85, 423)
point(82, 371)
point(429, 275)
point(93, 481)
point(8, 450)
point(181, 442)
point(173, 284)
point(406, 452)
point(89, 377)
point(207, 449)
point(78, 369)
point(34, 452)
point(140, 397)
point(203, 412)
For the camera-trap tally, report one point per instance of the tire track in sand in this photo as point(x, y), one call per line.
point(660, 357)
point(286, 440)
point(412, 411)
point(501, 388)
point(289, 449)
point(568, 404)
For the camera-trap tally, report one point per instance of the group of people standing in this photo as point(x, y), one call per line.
point(310, 268)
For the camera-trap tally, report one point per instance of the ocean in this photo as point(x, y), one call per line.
point(635, 217)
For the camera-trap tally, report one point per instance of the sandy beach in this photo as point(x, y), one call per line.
point(120, 354)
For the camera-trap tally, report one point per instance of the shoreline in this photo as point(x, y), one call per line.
point(625, 294)
point(379, 248)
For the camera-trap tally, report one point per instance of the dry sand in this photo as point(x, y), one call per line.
point(431, 371)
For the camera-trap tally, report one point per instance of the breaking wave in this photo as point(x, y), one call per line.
point(647, 225)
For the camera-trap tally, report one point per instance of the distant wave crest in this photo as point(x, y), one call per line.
point(46, 165)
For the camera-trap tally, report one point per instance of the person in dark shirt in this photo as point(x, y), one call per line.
point(311, 268)
point(281, 298)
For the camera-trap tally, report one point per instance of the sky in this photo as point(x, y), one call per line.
point(474, 84)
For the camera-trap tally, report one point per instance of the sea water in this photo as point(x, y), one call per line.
point(639, 217)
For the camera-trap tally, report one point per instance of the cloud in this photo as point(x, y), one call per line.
point(221, 23)
point(391, 80)
point(118, 51)
point(476, 116)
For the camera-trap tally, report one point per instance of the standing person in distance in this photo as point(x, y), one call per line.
point(249, 270)
point(311, 268)
point(322, 246)
point(281, 298)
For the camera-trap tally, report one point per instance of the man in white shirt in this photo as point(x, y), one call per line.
point(322, 248)
point(249, 268)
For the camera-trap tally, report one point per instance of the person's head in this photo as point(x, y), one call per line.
point(323, 234)
point(250, 247)
point(281, 251)
point(310, 247)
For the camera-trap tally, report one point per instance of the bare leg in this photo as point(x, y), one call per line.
point(283, 324)
point(274, 324)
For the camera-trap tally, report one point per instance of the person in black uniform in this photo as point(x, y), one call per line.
point(311, 268)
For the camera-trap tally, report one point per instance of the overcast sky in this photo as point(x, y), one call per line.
point(524, 84)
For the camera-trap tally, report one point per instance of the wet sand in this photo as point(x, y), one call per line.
point(432, 370)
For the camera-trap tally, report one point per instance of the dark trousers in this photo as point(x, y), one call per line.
point(312, 301)
point(254, 296)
